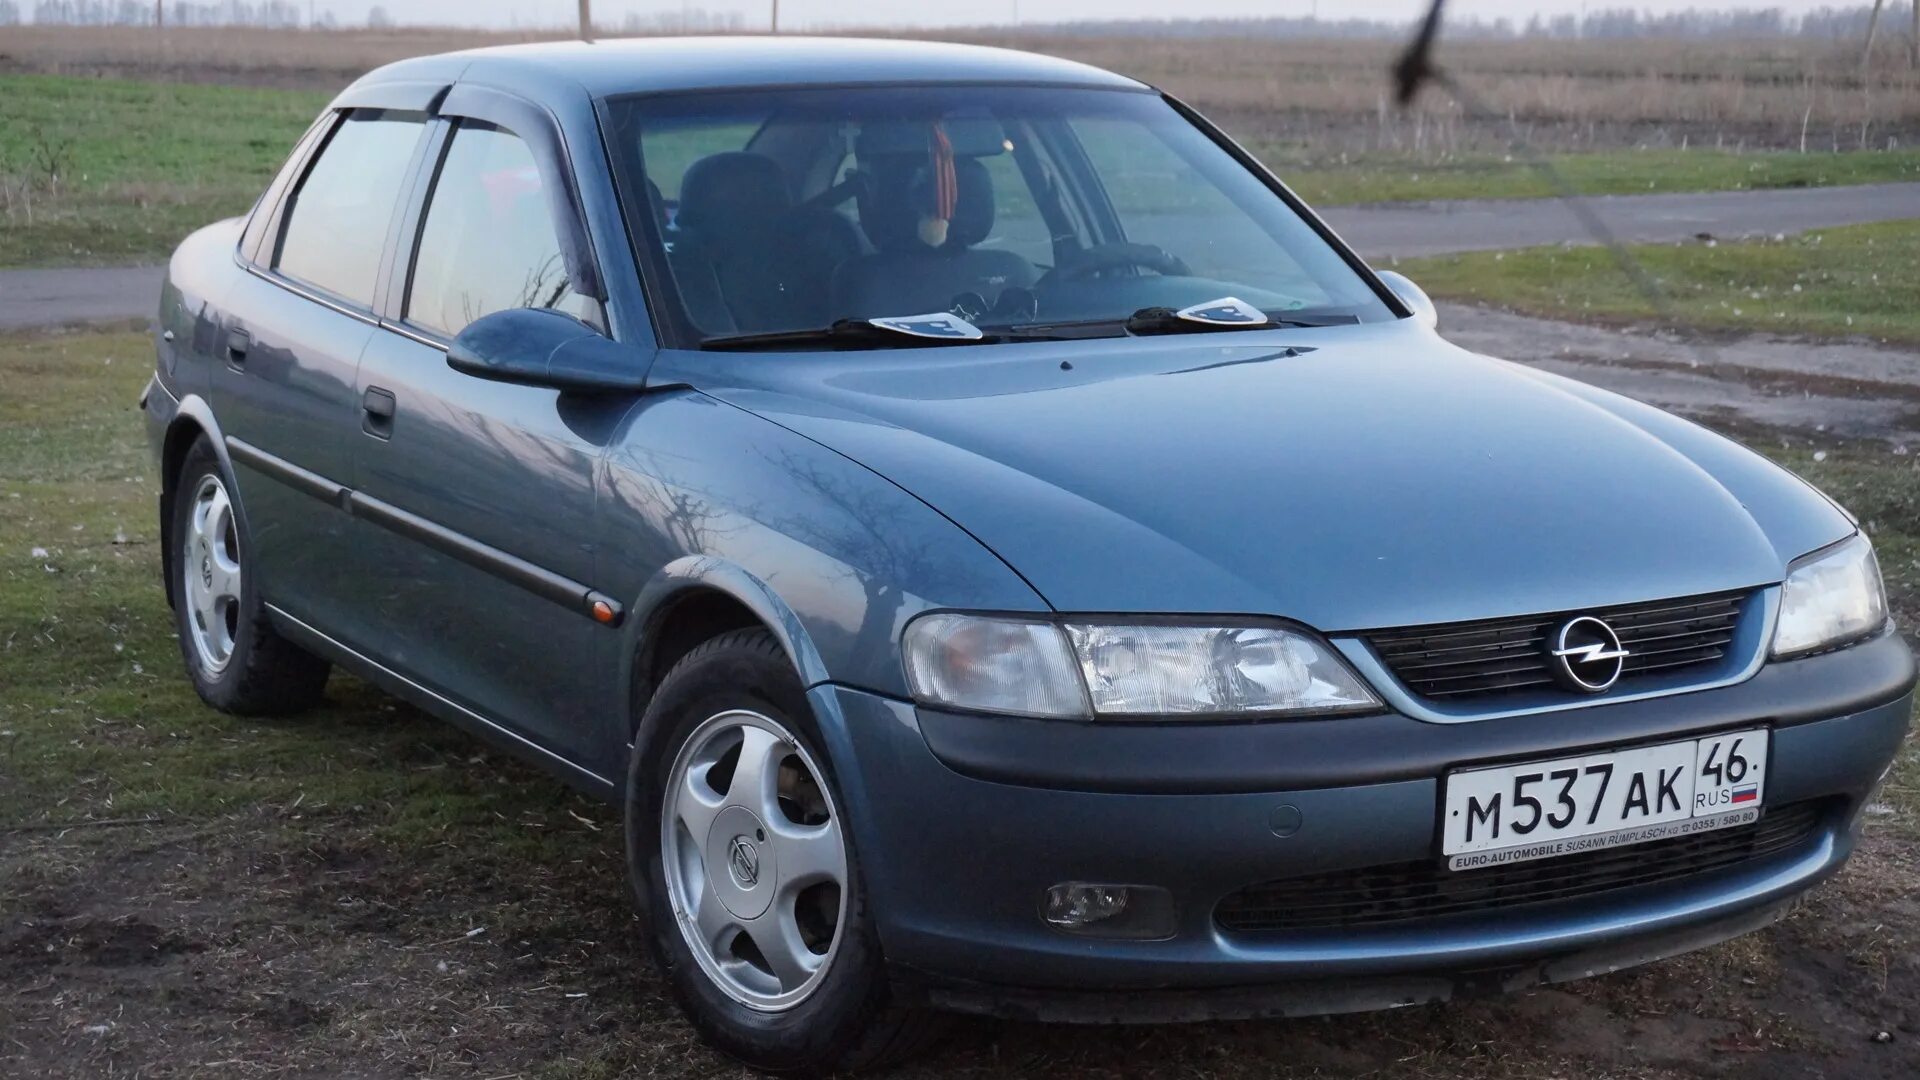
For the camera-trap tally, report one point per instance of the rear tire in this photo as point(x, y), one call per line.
point(237, 662)
point(825, 1006)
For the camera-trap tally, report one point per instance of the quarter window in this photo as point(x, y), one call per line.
point(488, 243)
point(336, 223)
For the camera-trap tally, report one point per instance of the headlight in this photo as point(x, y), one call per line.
point(1114, 671)
point(1830, 599)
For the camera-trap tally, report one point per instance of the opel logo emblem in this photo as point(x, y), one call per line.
point(743, 861)
point(1587, 655)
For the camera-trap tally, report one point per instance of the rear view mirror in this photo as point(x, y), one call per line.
point(539, 347)
point(1413, 296)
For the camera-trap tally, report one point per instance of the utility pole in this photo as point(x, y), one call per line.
point(776, 16)
point(1913, 39)
point(586, 20)
point(159, 15)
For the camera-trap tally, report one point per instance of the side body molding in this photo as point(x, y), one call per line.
point(576, 596)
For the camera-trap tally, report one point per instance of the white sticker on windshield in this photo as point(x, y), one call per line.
point(938, 324)
point(1226, 311)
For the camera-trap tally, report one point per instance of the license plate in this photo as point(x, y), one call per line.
point(1513, 813)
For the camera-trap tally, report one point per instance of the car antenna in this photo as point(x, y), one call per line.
point(1416, 67)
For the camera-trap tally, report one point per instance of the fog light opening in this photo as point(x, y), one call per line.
point(1142, 912)
point(1077, 905)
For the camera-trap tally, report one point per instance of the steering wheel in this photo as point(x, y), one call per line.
point(1103, 258)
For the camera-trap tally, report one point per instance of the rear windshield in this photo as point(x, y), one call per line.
point(786, 210)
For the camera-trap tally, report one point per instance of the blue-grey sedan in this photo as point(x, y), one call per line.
point(1001, 551)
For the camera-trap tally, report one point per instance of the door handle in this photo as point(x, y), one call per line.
point(377, 408)
point(238, 341)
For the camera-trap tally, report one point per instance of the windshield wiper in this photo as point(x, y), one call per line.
point(935, 328)
point(1226, 313)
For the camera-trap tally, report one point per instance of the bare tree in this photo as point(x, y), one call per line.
point(1873, 26)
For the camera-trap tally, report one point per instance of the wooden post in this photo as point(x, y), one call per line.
point(586, 20)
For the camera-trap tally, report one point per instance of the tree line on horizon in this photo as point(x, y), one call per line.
point(1827, 23)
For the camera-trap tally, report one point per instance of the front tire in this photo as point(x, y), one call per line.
point(237, 662)
point(738, 853)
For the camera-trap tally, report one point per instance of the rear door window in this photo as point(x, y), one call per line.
point(336, 224)
point(488, 243)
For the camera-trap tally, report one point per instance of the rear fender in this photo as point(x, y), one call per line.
point(175, 424)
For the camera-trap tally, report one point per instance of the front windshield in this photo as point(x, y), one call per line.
point(794, 210)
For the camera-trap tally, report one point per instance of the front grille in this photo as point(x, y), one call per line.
point(1381, 895)
point(1500, 656)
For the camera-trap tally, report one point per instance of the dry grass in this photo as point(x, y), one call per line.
point(365, 892)
point(1330, 95)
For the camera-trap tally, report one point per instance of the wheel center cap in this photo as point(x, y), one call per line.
point(740, 862)
point(206, 566)
point(743, 862)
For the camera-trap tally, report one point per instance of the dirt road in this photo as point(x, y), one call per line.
point(1848, 389)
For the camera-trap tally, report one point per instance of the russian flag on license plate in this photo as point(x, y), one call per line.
point(1745, 794)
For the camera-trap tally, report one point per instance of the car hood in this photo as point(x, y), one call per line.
point(1349, 478)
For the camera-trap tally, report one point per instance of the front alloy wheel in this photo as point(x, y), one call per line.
point(747, 869)
point(755, 863)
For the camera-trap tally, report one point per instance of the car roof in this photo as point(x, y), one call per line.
point(612, 67)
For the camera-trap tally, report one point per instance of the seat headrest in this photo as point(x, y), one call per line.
point(727, 193)
point(903, 193)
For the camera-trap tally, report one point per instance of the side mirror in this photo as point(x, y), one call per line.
point(1413, 296)
point(539, 347)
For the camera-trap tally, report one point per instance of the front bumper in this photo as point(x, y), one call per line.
point(962, 823)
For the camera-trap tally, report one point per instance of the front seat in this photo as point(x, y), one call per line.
point(906, 275)
point(751, 257)
point(734, 208)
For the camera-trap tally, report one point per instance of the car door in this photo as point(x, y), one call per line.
point(286, 355)
point(476, 498)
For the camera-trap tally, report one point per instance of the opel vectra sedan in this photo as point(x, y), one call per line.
point(999, 548)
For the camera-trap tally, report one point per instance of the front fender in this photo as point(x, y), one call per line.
point(832, 557)
point(693, 573)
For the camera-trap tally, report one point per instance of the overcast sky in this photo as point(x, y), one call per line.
point(801, 14)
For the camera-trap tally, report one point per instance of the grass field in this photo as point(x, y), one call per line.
point(1563, 95)
point(106, 171)
point(364, 891)
point(1852, 281)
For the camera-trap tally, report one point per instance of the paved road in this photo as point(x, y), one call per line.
point(1439, 228)
point(31, 298)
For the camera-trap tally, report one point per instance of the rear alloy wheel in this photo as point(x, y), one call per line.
point(237, 661)
point(210, 573)
point(755, 863)
point(743, 861)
